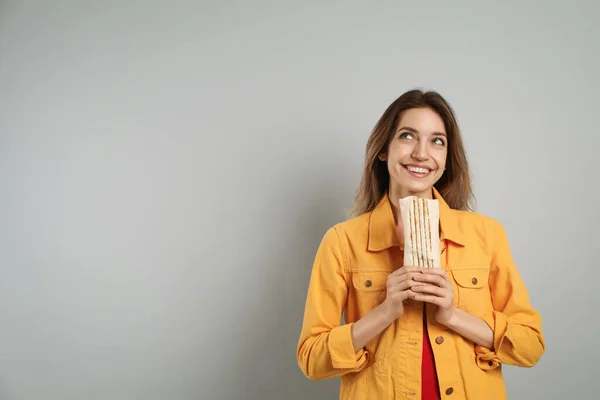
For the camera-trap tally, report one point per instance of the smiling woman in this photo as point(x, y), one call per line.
point(412, 331)
point(416, 155)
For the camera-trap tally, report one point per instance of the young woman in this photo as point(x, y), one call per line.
point(411, 332)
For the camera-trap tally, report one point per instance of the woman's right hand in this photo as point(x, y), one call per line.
point(375, 321)
point(399, 284)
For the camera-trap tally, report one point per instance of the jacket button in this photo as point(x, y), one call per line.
point(439, 339)
point(368, 283)
point(474, 281)
point(449, 391)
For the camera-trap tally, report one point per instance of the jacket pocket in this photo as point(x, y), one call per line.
point(367, 280)
point(473, 290)
point(369, 287)
point(367, 291)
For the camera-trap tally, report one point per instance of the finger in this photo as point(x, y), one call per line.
point(428, 289)
point(441, 273)
point(401, 296)
point(393, 287)
point(394, 280)
point(401, 283)
point(430, 278)
point(427, 298)
point(436, 271)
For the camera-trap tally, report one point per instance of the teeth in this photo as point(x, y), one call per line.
point(418, 170)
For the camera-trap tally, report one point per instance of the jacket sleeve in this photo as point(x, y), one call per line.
point(325, 348)
point(517, 326)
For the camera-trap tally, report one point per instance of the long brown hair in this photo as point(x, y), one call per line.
point(454, 185)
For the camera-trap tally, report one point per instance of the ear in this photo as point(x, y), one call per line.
point(382, 156)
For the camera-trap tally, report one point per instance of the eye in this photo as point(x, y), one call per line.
point(405, 135)
point(439, 141)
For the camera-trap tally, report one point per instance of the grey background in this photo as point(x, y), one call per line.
point(168, 169)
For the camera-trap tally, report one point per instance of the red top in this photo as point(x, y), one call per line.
point(429, 383)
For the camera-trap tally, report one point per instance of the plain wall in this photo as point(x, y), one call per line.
point(168, 168)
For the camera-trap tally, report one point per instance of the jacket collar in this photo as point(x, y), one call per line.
point(382, 231)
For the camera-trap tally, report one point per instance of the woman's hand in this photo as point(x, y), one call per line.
point(399, 285)
point(434, 287)
point(375, 321)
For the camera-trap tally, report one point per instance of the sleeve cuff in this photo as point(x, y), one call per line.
point(342, 350)
point(487, 359)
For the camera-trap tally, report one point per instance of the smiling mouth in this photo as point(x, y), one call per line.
point(418, 172)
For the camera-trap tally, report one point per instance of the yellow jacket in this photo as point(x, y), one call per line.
point(349, 277)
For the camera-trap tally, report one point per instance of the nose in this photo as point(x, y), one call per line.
point(420, 151)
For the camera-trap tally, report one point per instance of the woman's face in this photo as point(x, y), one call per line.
point(416, 156)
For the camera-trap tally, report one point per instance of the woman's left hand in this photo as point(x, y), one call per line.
point(435, 288)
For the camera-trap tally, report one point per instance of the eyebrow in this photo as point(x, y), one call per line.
point(408, 128)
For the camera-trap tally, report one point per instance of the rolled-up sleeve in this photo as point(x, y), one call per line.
point(325, 348)
point(517, 326)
